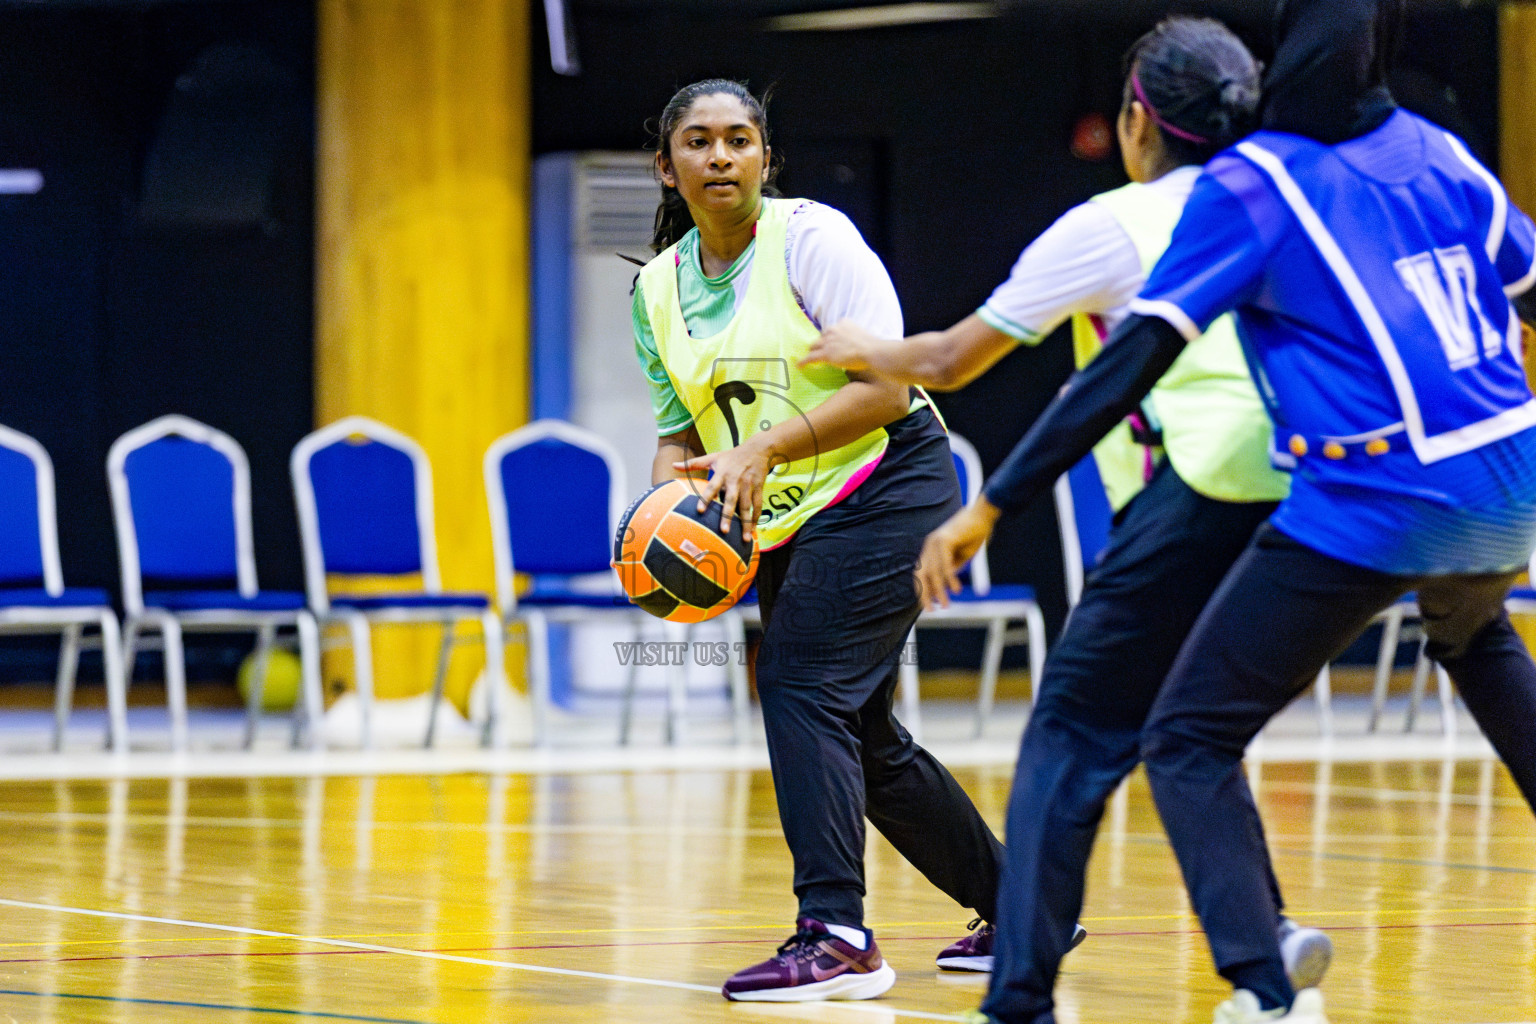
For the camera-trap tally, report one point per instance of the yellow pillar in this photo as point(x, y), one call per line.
point(1517, 103)
point(1517, 150)
point(422, 263)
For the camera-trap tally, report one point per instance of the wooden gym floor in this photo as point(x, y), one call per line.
point(628, 896)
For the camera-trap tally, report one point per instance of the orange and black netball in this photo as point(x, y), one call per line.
point(674, 562)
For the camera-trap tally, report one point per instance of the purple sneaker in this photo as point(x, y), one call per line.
point(813, 964)
point(974, 952)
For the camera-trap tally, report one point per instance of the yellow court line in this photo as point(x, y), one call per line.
point(1356, 838)
point(1418, 796)
point(1310, 914)
point(351, 824)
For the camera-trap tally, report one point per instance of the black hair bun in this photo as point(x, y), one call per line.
point(1238, 95)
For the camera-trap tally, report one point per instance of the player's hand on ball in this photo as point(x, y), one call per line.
point(737, 478)
point(948, 548)
point(845, 344)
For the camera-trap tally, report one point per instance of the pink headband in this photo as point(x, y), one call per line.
point(1157, 118)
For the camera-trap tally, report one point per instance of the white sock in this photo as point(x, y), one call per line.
point(858, 938)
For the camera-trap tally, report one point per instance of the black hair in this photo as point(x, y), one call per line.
point(1201, 84)
point(673, 220)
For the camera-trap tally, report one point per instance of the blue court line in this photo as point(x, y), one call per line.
point(210, 1006)
point(1368, 859)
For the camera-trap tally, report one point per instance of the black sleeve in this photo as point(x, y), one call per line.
point(1094, 400)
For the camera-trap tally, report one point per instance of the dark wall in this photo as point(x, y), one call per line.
point(166, 266)
point(949, 145)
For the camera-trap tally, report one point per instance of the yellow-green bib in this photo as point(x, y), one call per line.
point(1215, 429)
point(744, 379)
point(1122, 462)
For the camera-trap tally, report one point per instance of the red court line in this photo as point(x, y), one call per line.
point(710, 942)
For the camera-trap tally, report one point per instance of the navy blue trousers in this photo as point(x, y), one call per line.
point(1166, 557)
point(838, 601)
point(1283, 612)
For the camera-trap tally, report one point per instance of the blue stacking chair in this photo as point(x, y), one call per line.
point(979, 604)
point(181, 503)
point(364, 494)
point(33, 598)
point(1395, 621)
point(556, 493)
point(1083, 518)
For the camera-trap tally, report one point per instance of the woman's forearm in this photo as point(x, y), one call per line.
point(922, 359)
point(671, 449)
point(943, 360)
point(858, 407)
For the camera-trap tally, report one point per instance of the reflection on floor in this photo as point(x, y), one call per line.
point(594, 883)
point(589, 741)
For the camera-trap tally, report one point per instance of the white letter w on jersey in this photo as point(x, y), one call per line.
point(1445, 283)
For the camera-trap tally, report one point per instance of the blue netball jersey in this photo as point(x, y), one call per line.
point(1372, 282)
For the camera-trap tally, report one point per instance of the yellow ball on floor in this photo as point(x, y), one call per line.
point(281, 688)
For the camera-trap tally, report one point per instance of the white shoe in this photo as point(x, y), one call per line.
point(1307, 952)
point(1307, 1008)
point(1243, 1008)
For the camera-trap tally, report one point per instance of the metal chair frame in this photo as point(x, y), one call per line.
point(975, 610)
point(140, 619)
point(70, 622)
point(358, 623)
point(536, 619)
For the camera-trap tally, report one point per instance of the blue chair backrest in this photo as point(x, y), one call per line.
point(557, 496)
point(365, 504)
point(965, 496)
point(965, 487)
point(21, 549)
point(1091, 511)
point(182, 494)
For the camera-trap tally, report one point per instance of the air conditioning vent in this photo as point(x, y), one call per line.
point(586, 207)
point(616, 202)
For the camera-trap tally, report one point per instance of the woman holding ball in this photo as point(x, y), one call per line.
point(839, 476)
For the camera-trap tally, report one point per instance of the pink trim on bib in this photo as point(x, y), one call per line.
point(848, 488)
point(854, 481)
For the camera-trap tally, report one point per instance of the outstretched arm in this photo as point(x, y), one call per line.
point(1083, 263)
point(1094, 400)
point(942, 360)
